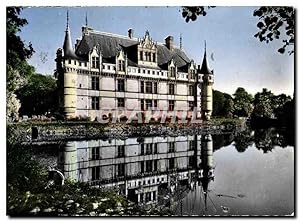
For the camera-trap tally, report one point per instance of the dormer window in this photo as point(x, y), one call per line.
point(121, 65)
point(141, 55)
point(153, 57)
point(95, 62)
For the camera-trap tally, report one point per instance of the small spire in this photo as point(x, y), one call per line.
point(86, 19)
point(180, 41)
point(67, 20)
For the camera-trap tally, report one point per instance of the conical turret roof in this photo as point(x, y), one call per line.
point(68, 49)
point(204, 67)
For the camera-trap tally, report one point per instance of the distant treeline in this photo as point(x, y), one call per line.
point(263, 109)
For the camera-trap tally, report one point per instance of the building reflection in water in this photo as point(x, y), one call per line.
point(150, 170)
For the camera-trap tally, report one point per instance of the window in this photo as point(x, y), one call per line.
point(141, 55)
point(142, 86)
point(149, 71)
point(155, 103)
point(172, 71)
point(121, 85)
point(191, 90)
point(108, 67)
point(148, 104)
point(171, 163)
point(155, 87)
point(154, 195)
point(149, 166)
point(155, 165)
point(171, 105)
point(148, 87)
point(191, 161)
point(142, 149)
point(144, 71)
point(85, 64)
point(153, 57)
point(74, 62)
point(95, 103)
point(121, 66)
point(80, 64)
point(142, 197)
point(95, 153)
point(121, 102)
point(171, 147)
point(96, 173)
point(153, 72)
point(121, 169)
point(95, 62)
point(69, 61)
point(191, 105)
point(142, 168)
point(155, 148)
point(191, 145)
point(142, 104)
point(171, 89)
point(95, 83)
point(121, 151)
point(149, 148)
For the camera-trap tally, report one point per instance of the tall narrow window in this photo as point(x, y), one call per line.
point(121, 169)
point(141, 56)
point(95, 62)
point(171, 163)
point(148, 87)
point(121, 85)
point(171, 147)
point(121, 151)
point(153, 57)
point(149, 166)
point(191, 90)
point(155, 103)
point(155, 87)
point(149, 147)
point(121, 102)
point(148, 104)
point(142, 86)
point(171, 89)
point(95, 103)
point(96, 173)
point(191, 145)
point(191, 105)
point(95, 153)
point(172, 71)
point(121, 65)
point(142, 104)
point(95, 82)
point(171, 105)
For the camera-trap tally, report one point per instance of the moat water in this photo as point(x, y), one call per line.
point(249, 173)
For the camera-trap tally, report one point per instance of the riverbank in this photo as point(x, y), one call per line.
point(28, 132)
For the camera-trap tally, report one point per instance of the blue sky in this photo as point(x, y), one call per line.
point(239, 58)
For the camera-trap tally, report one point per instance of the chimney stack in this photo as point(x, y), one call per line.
point(130, 33)
point(169, 42)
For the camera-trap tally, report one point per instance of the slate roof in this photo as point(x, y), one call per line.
point(110, 44)
point(204, 67)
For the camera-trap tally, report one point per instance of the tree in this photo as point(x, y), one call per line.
point(222, 104)
point(242, 103)
point(272, 21)
point(263, 104)
point(17, 68)
point(38, 96)
point(218, 103)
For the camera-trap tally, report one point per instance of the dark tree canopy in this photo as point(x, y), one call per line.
point(17, 51)
point(274, 21)
point(38, 96)
point(242, 103)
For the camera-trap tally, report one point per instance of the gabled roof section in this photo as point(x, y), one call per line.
point(109, 44)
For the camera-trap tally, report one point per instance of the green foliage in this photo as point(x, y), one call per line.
point(222, 104)
point(17, 51)
point(38, 96)
point(242, 103)
point(191, 13)
point(274, 20)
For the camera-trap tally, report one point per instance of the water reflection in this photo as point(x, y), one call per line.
point(167, 171)
point(157, 170)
